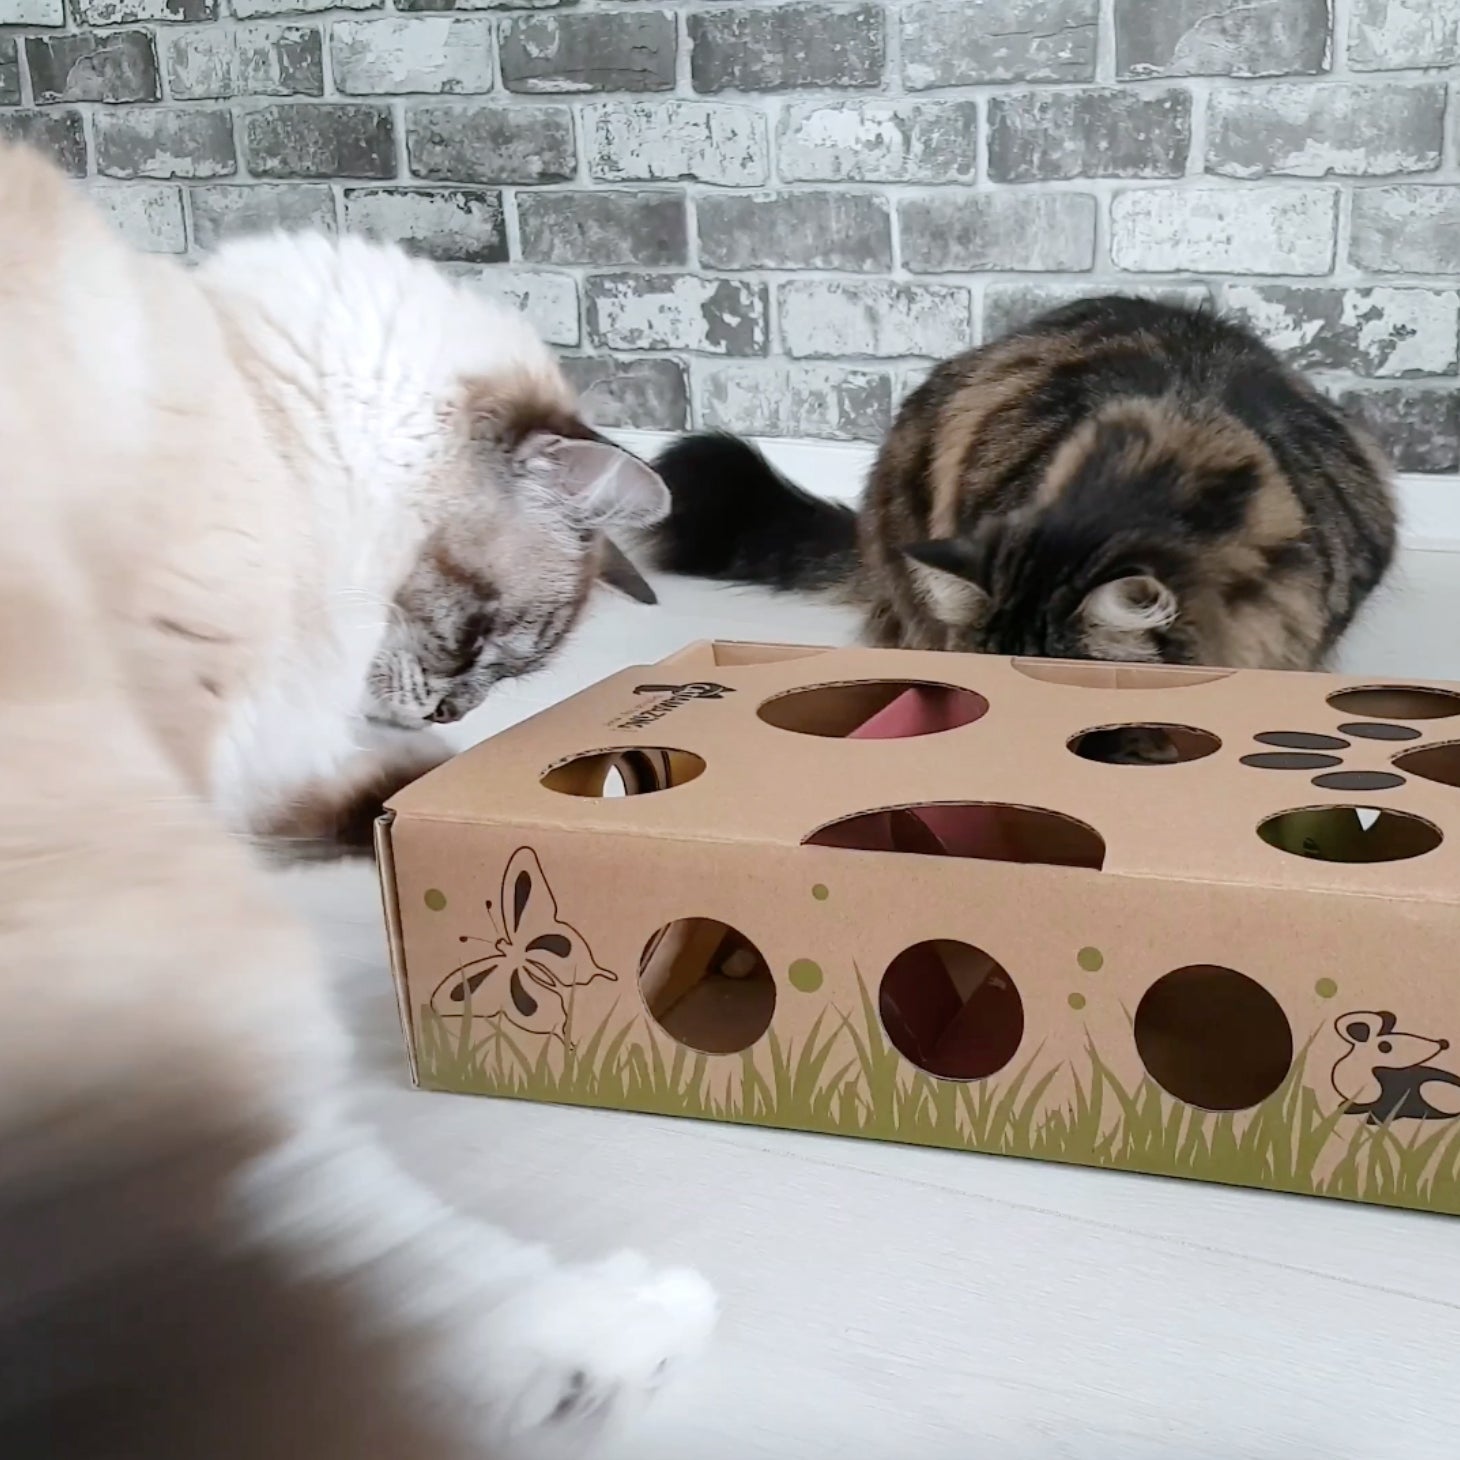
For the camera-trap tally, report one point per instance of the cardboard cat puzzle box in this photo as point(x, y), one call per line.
point(1189, 922)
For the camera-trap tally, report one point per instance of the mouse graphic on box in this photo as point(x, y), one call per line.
point(1387, 1074)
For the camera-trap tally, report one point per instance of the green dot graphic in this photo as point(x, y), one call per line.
point(1077, 1001)
point(805, 976)
point(1325, 988)
point(1092, 960)
point(821, 892)
point(435, 899)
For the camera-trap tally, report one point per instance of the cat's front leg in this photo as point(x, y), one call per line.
point(333, 817)
point(583, 1347)
point(498, 1337)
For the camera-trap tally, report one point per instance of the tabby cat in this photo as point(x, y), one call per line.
point(1119, 479)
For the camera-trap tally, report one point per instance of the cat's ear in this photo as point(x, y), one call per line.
point(620, 574)
point(1137, 604)
point(602, 486)
point(944, 579)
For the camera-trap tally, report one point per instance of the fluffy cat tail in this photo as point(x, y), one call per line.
point(736, 519)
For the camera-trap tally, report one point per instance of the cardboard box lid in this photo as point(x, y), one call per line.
point(1196, 821)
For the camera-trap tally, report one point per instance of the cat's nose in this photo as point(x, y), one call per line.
point(446, 713)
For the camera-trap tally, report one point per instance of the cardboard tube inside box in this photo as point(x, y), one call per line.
point(631, 772)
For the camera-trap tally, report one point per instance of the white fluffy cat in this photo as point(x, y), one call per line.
point(262, 521)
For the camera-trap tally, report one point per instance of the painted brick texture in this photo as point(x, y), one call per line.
point(769, 217)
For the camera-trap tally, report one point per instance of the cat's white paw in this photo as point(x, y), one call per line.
point(585, 1346)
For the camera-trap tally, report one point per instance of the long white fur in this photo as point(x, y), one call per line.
point(356, 347)
point(249, 454)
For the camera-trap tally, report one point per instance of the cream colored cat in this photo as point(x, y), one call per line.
point(261, 522)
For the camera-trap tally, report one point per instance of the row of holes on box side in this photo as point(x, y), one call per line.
point(1210, 1036)
point(869, 710)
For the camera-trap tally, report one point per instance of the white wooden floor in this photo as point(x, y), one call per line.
point(884, 1303)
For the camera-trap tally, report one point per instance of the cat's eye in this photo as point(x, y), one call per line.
point(469, 648)
point(471, 652)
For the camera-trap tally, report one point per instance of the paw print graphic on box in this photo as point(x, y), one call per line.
point(1305, 750)
point(1090, 913)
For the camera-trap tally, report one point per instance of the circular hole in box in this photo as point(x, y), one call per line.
point(1396, 702)
point(631, 771)
point(1213, 1037)
point(1144, 744)
point(1438, 763)
point(1350, 834)
point(707, 986)
point(1095, 674)
point(900, 708)
point(951, 1010)
point(983, 830)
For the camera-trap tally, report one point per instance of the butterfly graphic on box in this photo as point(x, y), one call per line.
point(536, 960)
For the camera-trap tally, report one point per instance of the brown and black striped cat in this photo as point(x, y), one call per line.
point(1119, 479)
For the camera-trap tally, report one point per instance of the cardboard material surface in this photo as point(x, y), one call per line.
point(928, 897)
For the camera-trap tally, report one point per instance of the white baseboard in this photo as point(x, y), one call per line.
point(1429, 506)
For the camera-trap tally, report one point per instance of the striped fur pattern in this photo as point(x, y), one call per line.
point(1119, 480)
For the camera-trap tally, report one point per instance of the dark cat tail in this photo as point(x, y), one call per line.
point(735, 518)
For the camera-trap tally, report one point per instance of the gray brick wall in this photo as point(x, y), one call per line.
point(770, 216)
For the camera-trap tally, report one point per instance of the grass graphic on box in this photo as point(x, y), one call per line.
point(1287, 1143)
